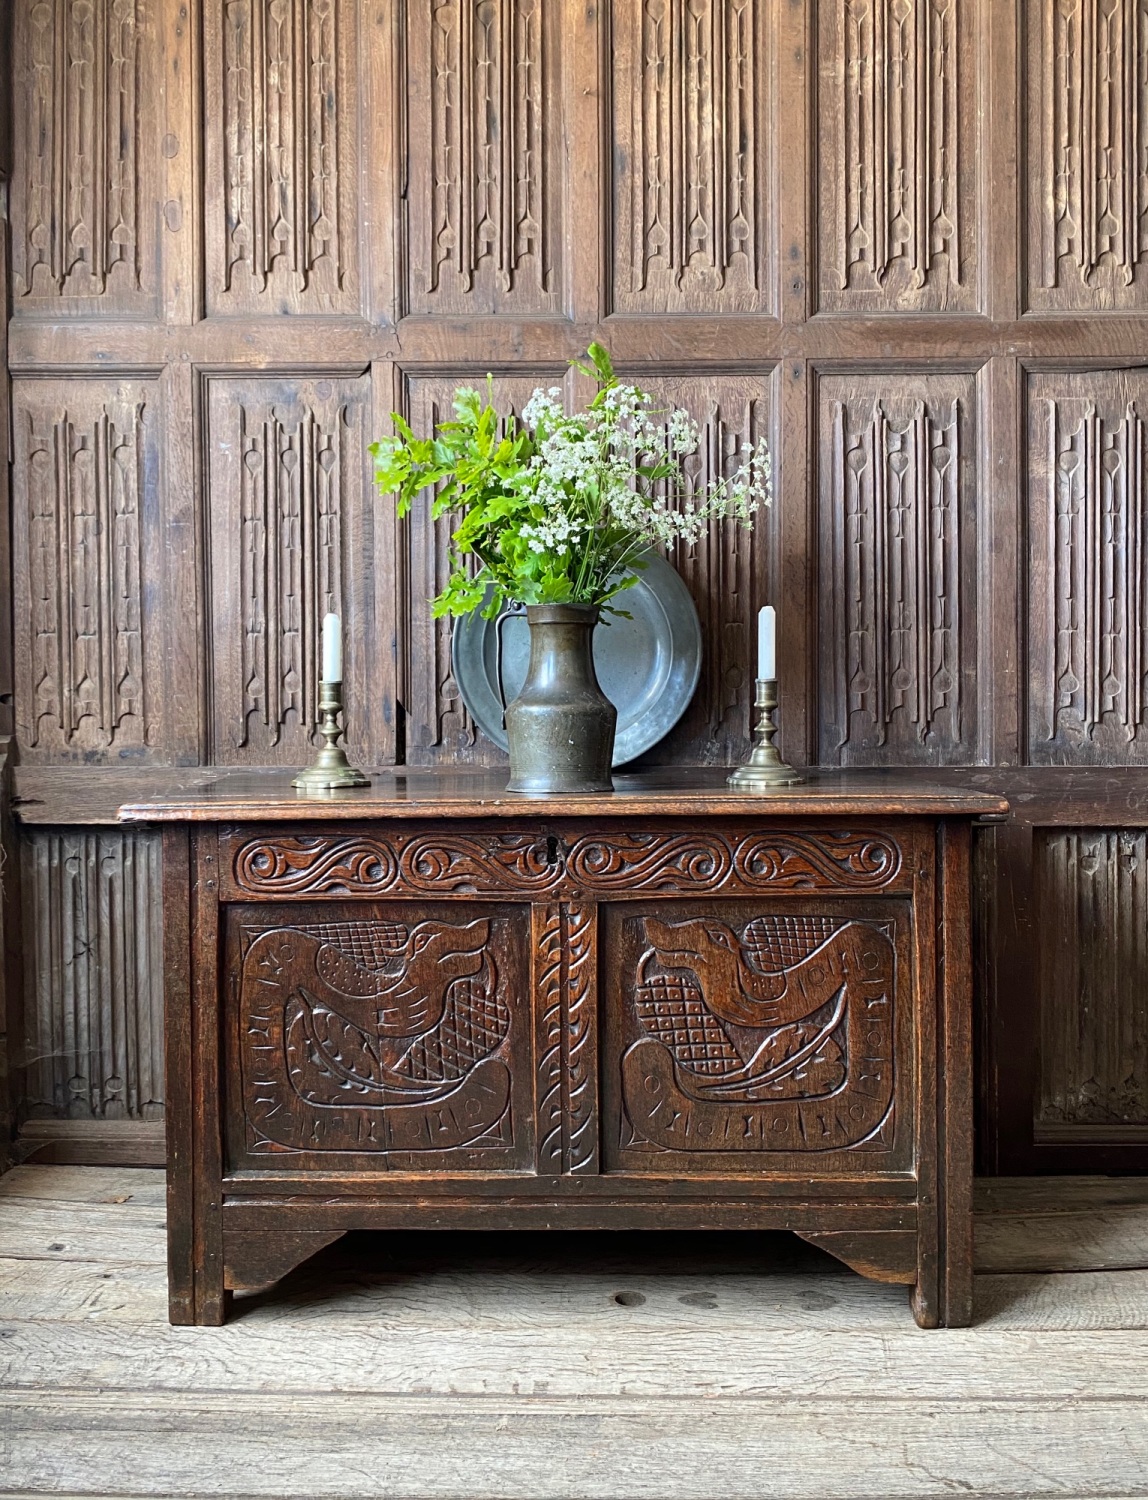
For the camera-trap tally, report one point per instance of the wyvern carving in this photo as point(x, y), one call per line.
point(376, 1036)
point(525, 863)
point(775, 1038)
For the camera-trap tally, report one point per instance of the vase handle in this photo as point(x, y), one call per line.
point(507, 614)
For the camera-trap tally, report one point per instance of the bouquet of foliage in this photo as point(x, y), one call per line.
point(558, 509)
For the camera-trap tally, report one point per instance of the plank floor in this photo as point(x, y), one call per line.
point(572, 1367)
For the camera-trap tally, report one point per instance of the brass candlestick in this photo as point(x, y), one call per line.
point(765, 768)
point(331, 768)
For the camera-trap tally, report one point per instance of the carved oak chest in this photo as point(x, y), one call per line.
point(431, 1004)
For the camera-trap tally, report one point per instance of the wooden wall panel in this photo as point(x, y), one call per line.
point(486, 202)
point(87, 541)
point(728, 570)
point(93, 1002)
point(1088, 589)
point(694, 210)
point(898, 550)
point(85, 219)
point(439, 730)
point(1087, 81)
point(897, 103)
point(1092, 896)
point(281, 145)
point(292, 535)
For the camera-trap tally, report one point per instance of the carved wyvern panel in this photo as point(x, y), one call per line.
point(281, 150)
point(282, 865)
point(392, 1036)
point(1092, 886)
point(1088, 154)
point(86, 143)
point(768, 1033)
point(692, 183)
point(292, 536)
point(86, 519)
point(485, 195)
point(897, 157)
point(439, 730)
point(727, 570)
point(1088, 599)
point(898, 521)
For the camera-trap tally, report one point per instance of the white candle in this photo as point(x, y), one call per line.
point(332, 649)
point(767, 643)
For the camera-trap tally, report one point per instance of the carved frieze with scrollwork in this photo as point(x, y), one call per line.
point(538, 863)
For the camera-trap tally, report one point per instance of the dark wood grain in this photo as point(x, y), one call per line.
point(904, 239)
point(515, 1016)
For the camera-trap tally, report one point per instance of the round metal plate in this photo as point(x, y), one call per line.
point(648, 665)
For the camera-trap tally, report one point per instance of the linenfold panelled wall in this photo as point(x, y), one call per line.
point(905, 239)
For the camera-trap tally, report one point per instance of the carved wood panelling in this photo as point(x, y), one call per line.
point(439, 730)
point(898, 506)
point(727, 570)
point(896, 166)
point(692, 184)
point(1088, 154)
point(86, 124)
point(292, 536)
point(485, 197)
point(284, 865)
point(281, 144)
point(85, 523)
point(1088, 604)
point(775, 1033)
point(401, 1039)
point(1092, 935)
point(93, 974)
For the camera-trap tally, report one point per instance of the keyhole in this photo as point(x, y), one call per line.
point(551, 850)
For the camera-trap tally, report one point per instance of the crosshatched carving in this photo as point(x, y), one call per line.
point(774, 1034)
point(378, 1036)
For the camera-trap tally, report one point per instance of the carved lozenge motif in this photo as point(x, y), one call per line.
point(376, 1036)
point(778, 1036)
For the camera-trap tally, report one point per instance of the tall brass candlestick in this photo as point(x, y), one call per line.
point(765, 768)
point(331, 768)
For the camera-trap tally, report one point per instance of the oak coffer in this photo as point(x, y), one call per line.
point(431, 1004)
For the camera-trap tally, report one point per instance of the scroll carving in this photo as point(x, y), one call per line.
point(484, 112)
point(84, 109)
point(775, 1037)
point(1089, 610)
point(688, 81)
point(898, 650)
point(84, 464)
point(1090, 188)
point(283, 113)
point(377, 1036)
point(286, 475)
point(892, 222)
point(520, 864)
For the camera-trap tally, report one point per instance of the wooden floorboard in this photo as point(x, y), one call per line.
point(472, 1367)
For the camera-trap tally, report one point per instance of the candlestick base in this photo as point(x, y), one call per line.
point(765, 770)
point(331, 769)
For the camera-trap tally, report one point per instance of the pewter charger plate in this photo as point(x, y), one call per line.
point(648, 665)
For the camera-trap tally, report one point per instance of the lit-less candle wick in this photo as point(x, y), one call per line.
point(767, 643)
point(332, 649)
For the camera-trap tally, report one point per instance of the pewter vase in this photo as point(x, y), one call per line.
point(561, 725)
